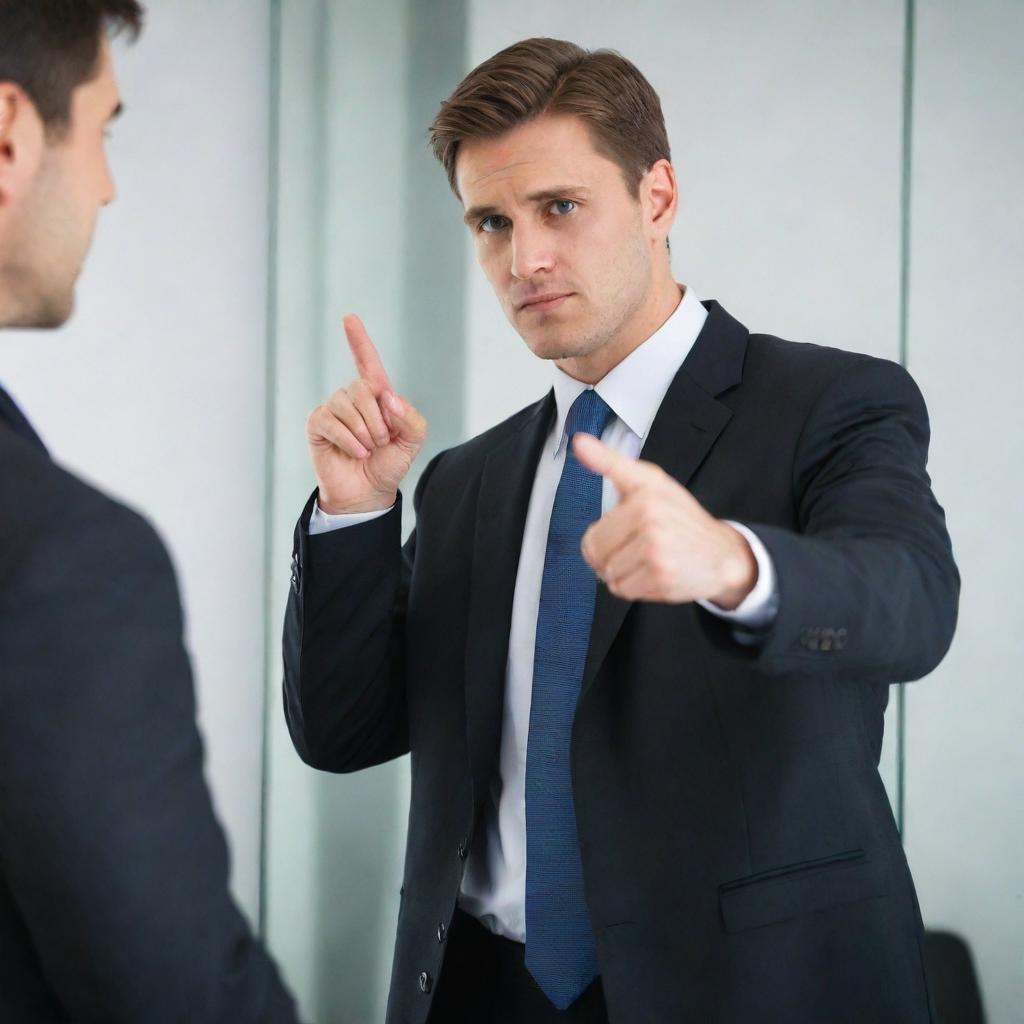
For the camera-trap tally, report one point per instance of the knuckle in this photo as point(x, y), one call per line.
point(650, 552)
point(664, 572)
point(339, 403)
point(647, 511)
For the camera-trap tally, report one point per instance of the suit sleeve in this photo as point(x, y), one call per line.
point(867, 586)
point(110, 848)
point(344, 640)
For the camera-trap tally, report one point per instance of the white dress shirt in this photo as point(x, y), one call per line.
point(494, 884)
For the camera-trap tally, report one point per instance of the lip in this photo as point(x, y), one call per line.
point(542, 303)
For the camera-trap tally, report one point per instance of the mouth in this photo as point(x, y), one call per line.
point(543, 303)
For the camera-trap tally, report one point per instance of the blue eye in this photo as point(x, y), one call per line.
point(563, 203)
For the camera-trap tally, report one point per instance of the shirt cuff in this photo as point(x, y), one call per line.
point(323, 522)
point(760, 606)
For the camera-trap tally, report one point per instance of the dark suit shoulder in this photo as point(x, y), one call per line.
point(469, 456)
point(811, 362)
point(802, 373)
point(54, 524)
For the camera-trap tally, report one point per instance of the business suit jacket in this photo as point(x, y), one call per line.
point(114, 902)
point(740, 858)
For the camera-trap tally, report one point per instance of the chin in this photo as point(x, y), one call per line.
point(54, 312)
point(552, 345)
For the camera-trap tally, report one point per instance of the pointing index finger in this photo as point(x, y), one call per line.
point(367, 360)
point(627, 474)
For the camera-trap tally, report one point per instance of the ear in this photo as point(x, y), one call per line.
point(22, 140)
point(659, 196)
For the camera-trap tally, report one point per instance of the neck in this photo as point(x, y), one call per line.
point(659, 305)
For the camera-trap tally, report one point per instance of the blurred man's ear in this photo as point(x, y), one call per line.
point(22, 139)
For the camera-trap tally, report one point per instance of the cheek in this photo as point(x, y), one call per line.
point(491, 255)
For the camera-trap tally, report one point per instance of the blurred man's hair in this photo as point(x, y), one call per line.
point(49, 47)
point(550, 76)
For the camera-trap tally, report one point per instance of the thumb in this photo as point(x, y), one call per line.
point(404, 418)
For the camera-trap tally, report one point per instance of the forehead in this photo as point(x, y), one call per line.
point(548, 148)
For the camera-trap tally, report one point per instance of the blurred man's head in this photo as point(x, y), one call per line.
point(561, 160)
point(57, 96)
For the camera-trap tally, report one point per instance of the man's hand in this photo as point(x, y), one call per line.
point(364, 438)
point(658, 543)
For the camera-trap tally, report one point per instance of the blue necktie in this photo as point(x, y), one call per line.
point(560, 950)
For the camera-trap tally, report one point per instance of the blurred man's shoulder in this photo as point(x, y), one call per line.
point(50, 516)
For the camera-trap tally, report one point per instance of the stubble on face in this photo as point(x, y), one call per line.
point(620, 286)
point(46, 250)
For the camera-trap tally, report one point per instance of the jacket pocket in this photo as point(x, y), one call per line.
point(796, 889)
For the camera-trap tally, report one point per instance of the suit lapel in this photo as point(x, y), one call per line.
point(12, 417)
point(505, 488)
point(688, 422)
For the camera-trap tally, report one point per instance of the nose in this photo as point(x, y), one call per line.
point(532, 250)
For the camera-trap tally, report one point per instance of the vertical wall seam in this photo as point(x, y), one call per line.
point(269, 475)
point(905, 196)
point(321, 90)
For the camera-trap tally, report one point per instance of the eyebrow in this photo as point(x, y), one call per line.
point(476, 213)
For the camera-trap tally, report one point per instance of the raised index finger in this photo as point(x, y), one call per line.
point(627, 474)
point(368, 362)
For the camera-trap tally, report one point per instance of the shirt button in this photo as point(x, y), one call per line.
point(441, 932)
point(426, 982)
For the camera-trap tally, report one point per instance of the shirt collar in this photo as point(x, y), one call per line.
point(634, 389)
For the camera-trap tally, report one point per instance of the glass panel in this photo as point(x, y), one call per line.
point(964, 753)
point(366, 224)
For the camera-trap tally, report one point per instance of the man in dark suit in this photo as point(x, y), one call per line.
point(641, 674)
point(114, 899)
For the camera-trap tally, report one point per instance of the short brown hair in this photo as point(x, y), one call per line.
point(49, 47)
point(551, 76)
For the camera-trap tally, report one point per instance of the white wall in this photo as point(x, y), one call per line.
point(155, 390)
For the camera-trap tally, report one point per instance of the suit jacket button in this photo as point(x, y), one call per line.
point(426, 982)
point(463, 850)
point(442, 932)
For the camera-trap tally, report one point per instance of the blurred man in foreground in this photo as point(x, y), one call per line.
point(114, 900)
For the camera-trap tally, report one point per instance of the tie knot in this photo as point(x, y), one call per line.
point(589, 413)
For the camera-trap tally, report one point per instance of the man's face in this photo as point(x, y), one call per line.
point(50, 200)
point(552, 217)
